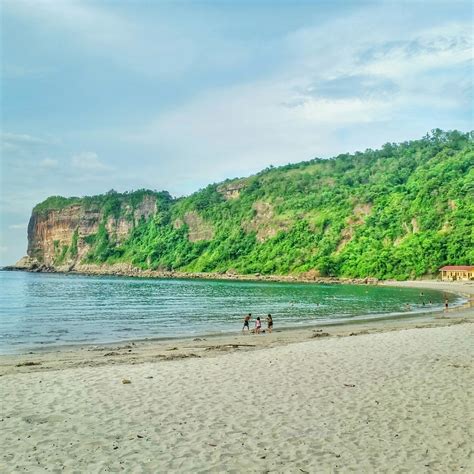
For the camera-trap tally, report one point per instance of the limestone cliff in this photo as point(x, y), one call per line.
point(61, 238)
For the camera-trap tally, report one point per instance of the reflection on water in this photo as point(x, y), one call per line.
point(52, 309)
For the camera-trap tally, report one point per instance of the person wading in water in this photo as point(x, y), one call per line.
point(246, 322)
point(269, 323)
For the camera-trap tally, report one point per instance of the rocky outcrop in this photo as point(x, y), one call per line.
point(198, 228)
point(265, 223)
point(60, 238)
point(231, 190)
point(126, 269)
point(357, 218)
point(25, 263)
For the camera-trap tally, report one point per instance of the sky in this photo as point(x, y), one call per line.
point(175, 95)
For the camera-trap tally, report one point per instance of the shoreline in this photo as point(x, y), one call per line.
point(138, 351)
point(127, 270)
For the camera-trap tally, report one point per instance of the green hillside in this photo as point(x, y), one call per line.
point(398, 212)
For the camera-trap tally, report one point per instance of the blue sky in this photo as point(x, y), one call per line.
point(176, 95)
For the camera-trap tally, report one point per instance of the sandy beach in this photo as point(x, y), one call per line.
point(385, 396)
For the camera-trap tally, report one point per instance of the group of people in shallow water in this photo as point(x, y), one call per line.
point(446, 302)
point(269, 319)
point(258, 324)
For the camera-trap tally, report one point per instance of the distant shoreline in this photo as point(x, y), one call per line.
point(462, 288)
point(127, 270)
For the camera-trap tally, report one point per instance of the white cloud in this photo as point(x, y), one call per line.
point(18, 226)
point(88, 161)
point(18, 139)
point(292, 115)
point(427, 50)
point(20, 145)
point(48, 163)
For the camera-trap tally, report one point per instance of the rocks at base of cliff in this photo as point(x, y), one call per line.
point(126, 269)
point(28, 264)
point(25, 263)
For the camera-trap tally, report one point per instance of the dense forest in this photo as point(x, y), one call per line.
point(398, 212)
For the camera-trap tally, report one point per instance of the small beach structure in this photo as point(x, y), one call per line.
point(457, 272)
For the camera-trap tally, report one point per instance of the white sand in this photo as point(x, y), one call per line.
point(465, 288)
point(285, 409)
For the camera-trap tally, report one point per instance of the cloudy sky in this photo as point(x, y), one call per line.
point(176, 95)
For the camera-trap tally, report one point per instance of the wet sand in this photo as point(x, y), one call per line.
point(378, 396)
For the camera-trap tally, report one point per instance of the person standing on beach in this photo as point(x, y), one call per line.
point(446, 304)
point(246, 322)
point(269, 323)
point(258, 325)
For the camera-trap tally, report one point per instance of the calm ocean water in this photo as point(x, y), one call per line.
point(44, 310)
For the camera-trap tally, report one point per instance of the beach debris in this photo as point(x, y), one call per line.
point(227, 347)
point(125, 381)
point(176, 356)
point(27, 364)
point(320, 334)
point(172, 349)
point(113, 353)
point(213, 445)
point(359, 333)
point(199, 339)
point(149, 377)
point(110, 348)
point(349, 385)
point(140, 436)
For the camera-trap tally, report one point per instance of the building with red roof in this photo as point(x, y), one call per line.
point(457, 272)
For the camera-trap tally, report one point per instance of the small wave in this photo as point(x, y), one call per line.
point(58, 331)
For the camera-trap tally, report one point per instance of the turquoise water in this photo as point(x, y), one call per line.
point(47, 310)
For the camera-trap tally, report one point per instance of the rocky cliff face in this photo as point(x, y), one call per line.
point(60, 238)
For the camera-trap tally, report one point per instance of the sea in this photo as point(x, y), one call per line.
point(44, 310)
